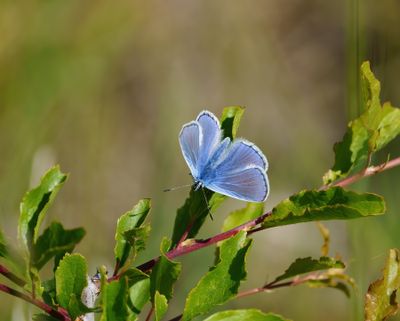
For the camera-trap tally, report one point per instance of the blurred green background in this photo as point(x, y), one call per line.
point(103, 88)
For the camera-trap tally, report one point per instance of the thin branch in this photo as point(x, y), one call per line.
point(11, 276)
point(150, 313)
point(369, 171)
point(60, 315)
point(275, 285)
point(249, 226)
point(186, 232)
point(268, 287)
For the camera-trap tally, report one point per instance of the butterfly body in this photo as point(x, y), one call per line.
point(237, 169)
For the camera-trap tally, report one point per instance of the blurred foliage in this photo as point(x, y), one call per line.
point(103, 87)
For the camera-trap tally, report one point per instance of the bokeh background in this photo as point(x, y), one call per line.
point(103, 87)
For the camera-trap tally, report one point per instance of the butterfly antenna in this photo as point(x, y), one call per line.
point(208, 206)
point(176, 187)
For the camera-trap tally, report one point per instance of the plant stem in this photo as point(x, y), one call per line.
point(275, 285)
point(60, 315)
point(249, 226)
point(11, 276)
point(150, 313)
point(369, 171)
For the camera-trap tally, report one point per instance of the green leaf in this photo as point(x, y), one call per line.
point(236, 218)
point(137, 238)
point(380, 300)
point(334, 203)
point(55, 240)
point(114, 301)
point(370, 87)
point(160, 305)
point(139, 289)
point(49, 292)
point(230, 120)
point(35, 284)
point(71, 279)
point(373, 130)
point(134, 275)
point(306, 265)
point(43, 317)
point(194, 211)
point(3, 246)
point(244, 315)
point(329, 283)
point(35, 203)
point(127, 222)
point(222, 282)
point(164, 274)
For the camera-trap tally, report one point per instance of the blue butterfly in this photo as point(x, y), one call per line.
point(236, 169)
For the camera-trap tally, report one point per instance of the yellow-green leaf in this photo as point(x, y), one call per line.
point(381, 298)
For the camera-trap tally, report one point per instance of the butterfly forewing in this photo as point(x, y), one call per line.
point(189, 139)
point(211, 137)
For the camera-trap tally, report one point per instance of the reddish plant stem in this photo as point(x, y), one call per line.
point(186, 233)
point(150, 313)
point(199, 244)
point(116, 268)
point(11, 276)
point(249, 226)
point(60, 315)
point(369, 171)
point(274, 285)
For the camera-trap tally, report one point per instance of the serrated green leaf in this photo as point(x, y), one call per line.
point(389, 125)
point(222, 282)
point(35, 203)
point(164, 274)
point(71, 279)
point(194, 211)
point(129, 221)
point(329, 283)
point(160, 306)
point(334, 203)
point(370, 86)
point(306, 265)
point(230, 120)
point(236, 218)
point(55, 240)
point(114, 301)
point(380, 300)
point(137, 238)
point(245, 315)
point(373, 130)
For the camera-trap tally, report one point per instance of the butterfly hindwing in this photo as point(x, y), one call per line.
point(248, 184)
